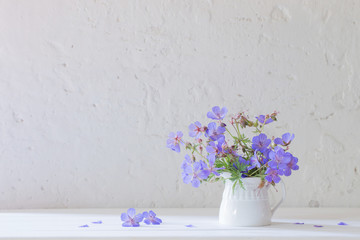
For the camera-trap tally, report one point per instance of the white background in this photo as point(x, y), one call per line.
point(89, 91)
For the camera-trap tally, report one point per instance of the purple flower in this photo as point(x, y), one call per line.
point(98, 222)
point(130, 219)
point(342, 223)
point(212, 169)
point(190, 225)
point(174, 141)
point(266, 156)
point(285, 139)
point(186, 166)
point(187, 161)
point(279, 158)
point(217, 114)
point(214, 148)
point(292, 165)
point(84, 226)
point(193, 174)
point(215, 133)
point(254, 161)
point(261, 119)
point(260, 142)
point(195, 130)
point(318, 226)
point(299, 223)
point(272, 175)
point(150, 218)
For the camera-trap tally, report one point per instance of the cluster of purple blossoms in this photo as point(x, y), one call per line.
point(131, 219)
point(195, 171)
point(275, 160)
point(261, 157)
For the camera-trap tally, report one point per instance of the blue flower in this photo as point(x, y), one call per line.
point(130, 219)
point(262, 118)
point(150, 218)
point(195, 130)
point(194, 173)
point(254, 161)
point(186, 166)
point(285, 139)
point(266, 156)
point(292, 165)
point(214, 148)
point(187, 162)
point(279, 158)
point(174, 141)
point(260, 142)
point(212, 169)
point(217, 114)
point(273, 175)
point(215, 133)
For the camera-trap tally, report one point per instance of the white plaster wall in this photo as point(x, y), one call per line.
point(89, 91)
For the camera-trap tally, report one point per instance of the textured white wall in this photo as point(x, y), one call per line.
point(89, 91)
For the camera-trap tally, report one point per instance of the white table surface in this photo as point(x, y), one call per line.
point(64, 224)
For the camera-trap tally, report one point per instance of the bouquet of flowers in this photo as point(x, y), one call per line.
point(222, 147)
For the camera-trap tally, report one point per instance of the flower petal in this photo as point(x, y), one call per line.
point(131, 212)
point(216, 110)
point(187, 179)
point(224, 111)
point(158, 220)
point(139, 217)
point(127, 224)
point(204, 174)
point(124, 217)
point(211, 115)
point(278, 141)
point(151, 213)
point(195, 183)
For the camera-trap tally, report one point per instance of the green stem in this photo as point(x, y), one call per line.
point(238, 130)
point(230, 133)
point(257, 170)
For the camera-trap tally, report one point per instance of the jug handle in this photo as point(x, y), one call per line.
point(281, 200)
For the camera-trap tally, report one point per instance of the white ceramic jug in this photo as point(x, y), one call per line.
point(247, 207)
